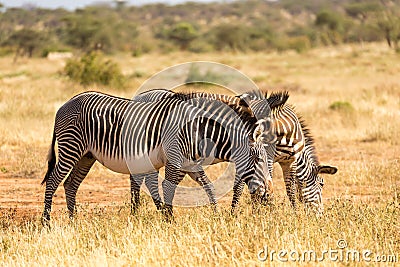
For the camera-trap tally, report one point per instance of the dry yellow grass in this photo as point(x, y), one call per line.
point(361, 200)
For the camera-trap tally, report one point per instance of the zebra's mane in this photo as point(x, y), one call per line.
point(276, 99)
point(181, 96)
point(309, 139)
point(243, 114)
point(246, 116)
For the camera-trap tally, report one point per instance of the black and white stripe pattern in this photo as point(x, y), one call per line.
point(136, 137)
point(257, 129)
point(295, 150)
point(297, 157)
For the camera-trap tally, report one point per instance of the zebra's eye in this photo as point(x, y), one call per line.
point(321, 182)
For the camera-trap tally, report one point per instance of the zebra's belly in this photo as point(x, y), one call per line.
point(115, 164)
point(132, 164)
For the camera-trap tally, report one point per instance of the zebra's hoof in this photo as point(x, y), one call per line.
point(134, 211)
point(46, 222)
point(159, 206)
point(168, 213)
point(215, 210)
point(234, 212)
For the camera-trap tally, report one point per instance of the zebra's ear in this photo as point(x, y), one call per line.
point(244, 104)
point(327, 169)
point(277, 99)
point(244, 100)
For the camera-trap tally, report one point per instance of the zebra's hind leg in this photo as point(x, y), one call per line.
point(151, 182)
point(64, 165)
point(201, 178)
point(74, 180)
point(173, 176)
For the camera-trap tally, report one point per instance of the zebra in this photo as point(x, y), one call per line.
point(295, 151)
point(262, 151)
point(129, 136)
point(251, 124)
point(296, 154)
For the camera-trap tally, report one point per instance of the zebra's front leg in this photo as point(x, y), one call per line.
point(201, 178)
point(237, 192)
point(136, 181)
point(173, 176)
point(151, 182)
point(74, 180)
point(289, 176)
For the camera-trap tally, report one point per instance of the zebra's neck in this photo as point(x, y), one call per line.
point(233, 102)
point(294, 140)
point(306, 159)
point(289, 131)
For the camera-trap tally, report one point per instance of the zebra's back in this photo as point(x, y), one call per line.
point(116, 130)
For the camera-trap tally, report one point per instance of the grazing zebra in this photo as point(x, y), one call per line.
point(295, 151)
point(252, 124)
point(261, 153)
point(134, 137)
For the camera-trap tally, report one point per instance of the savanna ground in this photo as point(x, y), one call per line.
point(360, 136)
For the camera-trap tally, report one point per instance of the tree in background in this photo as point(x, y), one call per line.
point(230, 36)
point(331, 25)
point(25, 42)
point(389, 23)
point(99, 28)
point(183, 33)
point(82, 32)
point(201, 27)
point(363, 16)
point(92, 68)
point(362, 10)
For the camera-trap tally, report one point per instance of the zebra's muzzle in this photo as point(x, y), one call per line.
point(314, 207)
point(267, 199)
point(256, 188)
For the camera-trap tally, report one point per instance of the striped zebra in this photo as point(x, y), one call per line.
point(296, 154)
point(295, 151)
point(248, 116)
point(135, 137)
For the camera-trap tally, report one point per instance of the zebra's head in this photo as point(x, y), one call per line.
point(262, 149)
point(260, 186)
point(262, 142)
point(309, 189)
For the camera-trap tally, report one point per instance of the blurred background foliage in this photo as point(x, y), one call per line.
point(238, 26)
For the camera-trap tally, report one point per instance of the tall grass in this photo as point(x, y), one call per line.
point(362, 199)
point(110, 236)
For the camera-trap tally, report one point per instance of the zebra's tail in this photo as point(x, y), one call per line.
point(51, 159)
